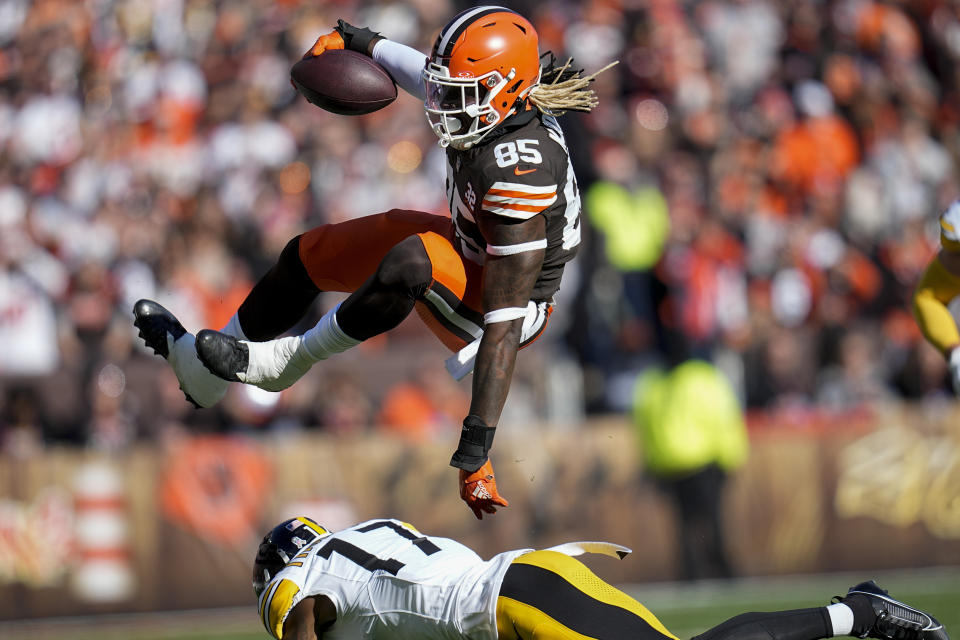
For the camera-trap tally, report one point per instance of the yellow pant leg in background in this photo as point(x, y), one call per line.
point(933, 293)
point(547, 595)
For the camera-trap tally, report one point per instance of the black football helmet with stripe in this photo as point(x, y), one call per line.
point(279, 547)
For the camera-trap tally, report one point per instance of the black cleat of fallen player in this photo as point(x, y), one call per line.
point(223, 355)
point(894, 620)
point(154, 323)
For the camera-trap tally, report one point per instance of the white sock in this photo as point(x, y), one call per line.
point(326, 338)
point(841, 617)
point(196, 381)
point(276, 364)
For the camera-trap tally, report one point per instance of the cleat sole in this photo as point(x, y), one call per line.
point(154, 323)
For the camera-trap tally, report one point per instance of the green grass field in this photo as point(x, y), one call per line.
point(685, 609)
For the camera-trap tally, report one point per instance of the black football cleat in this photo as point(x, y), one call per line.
point(895, 620)
point(223, 355)
point(154, 323)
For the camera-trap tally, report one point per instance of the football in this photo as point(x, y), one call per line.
point(344, 82)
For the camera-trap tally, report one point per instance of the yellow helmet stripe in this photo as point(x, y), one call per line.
point(313, 525)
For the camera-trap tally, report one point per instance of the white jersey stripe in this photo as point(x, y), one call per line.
point(519, 206)
point(471, 254)
point(571, 228)
point(526, 188)
point(490, 198)
point(511, 249)
point(512, 213)
point(265, 605)
point(460, 207)
point(466, 239)
point(554, 131)
point(447, 312)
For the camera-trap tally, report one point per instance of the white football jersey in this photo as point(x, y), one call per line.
point(950, 227)
point(387, 580)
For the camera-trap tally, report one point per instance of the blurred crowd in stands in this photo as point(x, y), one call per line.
point(761, 183)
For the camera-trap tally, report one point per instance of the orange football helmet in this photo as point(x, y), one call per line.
point(483, 65)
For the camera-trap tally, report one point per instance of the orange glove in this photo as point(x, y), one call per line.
point(479, 490)
point(332, 40)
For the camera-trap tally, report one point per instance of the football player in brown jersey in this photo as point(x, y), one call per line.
point(482, 279)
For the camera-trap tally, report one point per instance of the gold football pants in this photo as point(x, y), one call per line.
point(547, 595)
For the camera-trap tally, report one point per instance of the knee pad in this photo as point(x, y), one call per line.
point(406, 267)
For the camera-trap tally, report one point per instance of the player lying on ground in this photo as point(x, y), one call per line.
point(384, 579)
point(939, 285)
point(483, 280)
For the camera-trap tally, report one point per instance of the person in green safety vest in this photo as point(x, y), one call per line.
point(691, 432)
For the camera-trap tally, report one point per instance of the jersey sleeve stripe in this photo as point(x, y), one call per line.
point(280, 604)
point(523, 188)
point(511, 249)
point(497, 207)
point(515, 193)
point(265, 604)
point(539, 200)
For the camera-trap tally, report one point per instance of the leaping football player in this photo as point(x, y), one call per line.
point(385, 579)
point(483, 280)
point(939, 285)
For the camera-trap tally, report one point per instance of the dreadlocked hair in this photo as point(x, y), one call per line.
point(562, 88)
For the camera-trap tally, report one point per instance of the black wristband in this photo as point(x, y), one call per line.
point(355, 38)
point(475, 442)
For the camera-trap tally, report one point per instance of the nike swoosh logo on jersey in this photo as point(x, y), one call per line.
point(516, 171)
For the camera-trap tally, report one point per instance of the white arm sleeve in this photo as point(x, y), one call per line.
point(404, 65)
